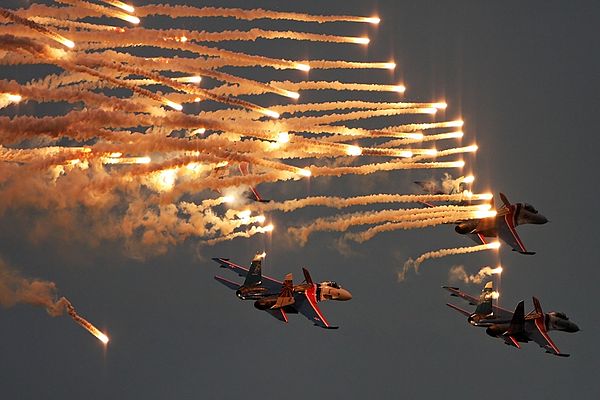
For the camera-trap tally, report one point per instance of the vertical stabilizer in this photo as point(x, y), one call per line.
point(484, 307)
point(517, 324)
point(307, 276)
point(286, 296)
point(254, 276)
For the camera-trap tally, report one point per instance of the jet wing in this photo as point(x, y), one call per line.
point(499, 312)
point(540, 333)
point(306, 304)
point(270, 283)
point(541, 337)
point(508, 233)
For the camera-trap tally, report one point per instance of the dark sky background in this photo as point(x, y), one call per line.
point(523, 75)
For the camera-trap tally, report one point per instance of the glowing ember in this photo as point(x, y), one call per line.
point(305, 172)
point(283, 137)
point(353, 151)
point(468, 179)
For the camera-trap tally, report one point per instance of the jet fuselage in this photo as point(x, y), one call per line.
point(519, 213)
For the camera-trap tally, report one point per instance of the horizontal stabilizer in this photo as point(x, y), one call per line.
point(528, 253)
point(460, 310)
point(511, 341)
point(558, 354)
point(450, 287)
point(230, 284)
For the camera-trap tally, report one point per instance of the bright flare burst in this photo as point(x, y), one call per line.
point(216, 156)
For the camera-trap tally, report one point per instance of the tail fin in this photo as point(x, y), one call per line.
point(307, 276)
point(244, 168)
point(505, 200)
point(517, 324)
point(286, 296)
point(254, 276)
point(537, 305)
point(484, 307)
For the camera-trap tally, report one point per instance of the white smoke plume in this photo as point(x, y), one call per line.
point(459, 274)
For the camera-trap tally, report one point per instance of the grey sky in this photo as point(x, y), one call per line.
point(523, 75)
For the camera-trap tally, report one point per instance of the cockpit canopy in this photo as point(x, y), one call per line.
point(332, 284)
point(561, 315)
point(530, 208)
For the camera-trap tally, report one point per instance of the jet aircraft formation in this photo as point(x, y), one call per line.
point(280, 298)
point(512, 327)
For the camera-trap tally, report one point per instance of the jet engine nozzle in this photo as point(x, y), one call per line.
point(493, 331)
point(465, 227)
point(265, 304)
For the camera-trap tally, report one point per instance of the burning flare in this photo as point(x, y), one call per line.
point(83, 322)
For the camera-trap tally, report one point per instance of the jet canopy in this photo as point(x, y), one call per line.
point(561, 315)
point(530, 208)
point(332, 284)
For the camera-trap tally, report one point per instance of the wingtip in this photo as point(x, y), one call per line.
point(558, 354)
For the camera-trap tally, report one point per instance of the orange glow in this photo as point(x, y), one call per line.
point(372, 20)
point(305, 172)
point(493, 245)
point(468, 179)
point(269, 113)
point(173, 105)
point(63, 40)
point(360, 40)
point(302, 67)
point(121, 5)
point(189, 79)
point(124, 16)
point(353, 151)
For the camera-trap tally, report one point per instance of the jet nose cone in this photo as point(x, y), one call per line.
point(540, 219)
point(345, 295)
point(573, 328)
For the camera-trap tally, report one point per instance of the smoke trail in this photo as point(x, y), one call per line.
point(414, 264)
point(422, 138)
point(101, 10)
point(15, 289)
point(338, 117)
point(250, 232)
point(361, 237)
point(349, 104)
point(36, 27)
point(249, 15)
point(439, 214)
point(378, 167)
point(339, 202)
point(181, 35)
point(310, 85)
point(458, 274)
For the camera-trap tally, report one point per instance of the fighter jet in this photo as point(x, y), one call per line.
point(447, 185)
point(244, 169)
point(503, 225)
point(281, 298)
point(514, 328)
